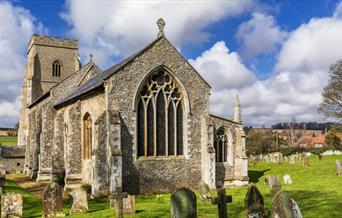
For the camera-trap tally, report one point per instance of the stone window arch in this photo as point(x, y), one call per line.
point(87, 136)
point(221, 145)
point(56, 68)
point(160, 116)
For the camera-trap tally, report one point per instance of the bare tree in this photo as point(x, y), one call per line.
point(331, 105)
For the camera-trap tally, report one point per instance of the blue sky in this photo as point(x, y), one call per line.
point(274, 54)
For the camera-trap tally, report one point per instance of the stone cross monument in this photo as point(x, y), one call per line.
point(161, 24)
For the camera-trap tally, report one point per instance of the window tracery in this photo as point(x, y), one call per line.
point(87, 136)
point(160, 117)
point(56, 68)
point(220, 145)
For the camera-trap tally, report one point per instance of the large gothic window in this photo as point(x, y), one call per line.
point(160, 117)
point(56, 68)
point(220, 145)
point(87, 136)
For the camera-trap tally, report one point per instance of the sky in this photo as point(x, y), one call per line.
point(274, 54)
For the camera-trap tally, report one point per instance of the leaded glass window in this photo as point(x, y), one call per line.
point(87, 136)
point(220, 145)
point(160, 117)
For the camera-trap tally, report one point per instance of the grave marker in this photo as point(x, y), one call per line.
point(52, 201)
point(2, 183)
point(11, 205)
point(254, 203)
point(287, 180)
point(204, 191)
point(284, 206)
point(129, 204)
point(183, 204)
point(274, 183)
point(117, 199)
point(221, 201)
point(79, 201)
point(338, 168)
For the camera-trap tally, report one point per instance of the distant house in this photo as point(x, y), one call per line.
point(312, 141)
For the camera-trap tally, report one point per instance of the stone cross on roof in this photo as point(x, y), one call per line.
point(161, 25)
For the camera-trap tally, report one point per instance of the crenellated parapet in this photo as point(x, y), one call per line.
point(52, 41)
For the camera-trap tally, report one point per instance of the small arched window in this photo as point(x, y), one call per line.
point(220, 145)
point(87, 136)
point(56, 68)
point(160, 117)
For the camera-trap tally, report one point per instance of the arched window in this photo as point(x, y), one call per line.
point(87, 136)
point(220, 145)
point(56, 68)
point(160, 117)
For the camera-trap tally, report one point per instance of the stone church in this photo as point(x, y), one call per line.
point(143, 125)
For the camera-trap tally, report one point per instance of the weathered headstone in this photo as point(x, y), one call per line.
point(338, 168)
point(204, 191)
point(287, 180)
point(267, 159)
point(52, 201)
point(254, 203)
point(221, 201)
point(2, 183)
point(129, 204)
point(79, 201)
point(183, 204)
point(266, 180)
point(306, 161)
point(284, 206)
point(117, 201)
point(274, 183)
point(292, 159)
point(320, 157)
point(12, 205)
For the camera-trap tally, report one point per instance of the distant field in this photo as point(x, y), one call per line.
point(8, 140)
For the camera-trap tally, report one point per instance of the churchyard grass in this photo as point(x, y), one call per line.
point(8, 140)
point(316, 189)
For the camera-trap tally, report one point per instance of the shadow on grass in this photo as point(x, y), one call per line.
point(254, 175)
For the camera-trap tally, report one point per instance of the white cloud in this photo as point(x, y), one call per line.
point(293, 90)
point(260, 35)
point(16, 28)
point(111, 28)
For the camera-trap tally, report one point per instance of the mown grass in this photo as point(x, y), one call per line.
point(8, 140)
point(316, 189)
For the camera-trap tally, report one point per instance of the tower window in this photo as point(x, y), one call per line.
point(56, 68)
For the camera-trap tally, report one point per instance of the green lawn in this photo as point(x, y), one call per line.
point(316, 189)
point(8, 140)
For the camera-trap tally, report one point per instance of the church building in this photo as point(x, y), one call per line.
point(143, 125)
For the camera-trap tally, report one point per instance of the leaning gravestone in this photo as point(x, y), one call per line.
point(183, 204)
point(254, 203)
point(12, 205)
point(338, 168)
point(79, 201)
point(283, 206)
point(274, 183)
point(128, 204)
point(52, 201)
point(204, 191)
point(287, 180)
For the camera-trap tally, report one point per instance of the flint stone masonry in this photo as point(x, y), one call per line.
point(52, 126)
point(12, 205)
point(12, 159)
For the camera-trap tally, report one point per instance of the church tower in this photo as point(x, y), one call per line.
point(237, 110)
point(49, 61)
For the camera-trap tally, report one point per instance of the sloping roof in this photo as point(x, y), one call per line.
point(98, 80)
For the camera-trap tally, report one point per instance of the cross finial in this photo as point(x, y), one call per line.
point(161, 25)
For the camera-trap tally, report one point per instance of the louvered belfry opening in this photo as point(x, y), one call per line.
point(220, 145)
point(160, 116)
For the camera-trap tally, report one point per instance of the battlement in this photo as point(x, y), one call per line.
point(52, 41)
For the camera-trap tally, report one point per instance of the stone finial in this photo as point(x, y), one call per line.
point(237, 112)
point(91, 57)
point(161, 24)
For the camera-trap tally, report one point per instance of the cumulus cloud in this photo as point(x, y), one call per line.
point(293, 90)
point(113, 28)
point(259, 35)
point(16, 28)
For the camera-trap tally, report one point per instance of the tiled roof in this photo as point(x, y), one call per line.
point(98, 80)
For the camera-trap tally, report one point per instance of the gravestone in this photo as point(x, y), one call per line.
point(306, 161)
point(274, 183)
point(2, 183)
point(320, 157)
point(266, 180)
point(117, 201)
point(221, 201)
point(338, 168)
point(2, 172)
point(292, 159)
point(278, 158)
point(254, 203)
point(128, 205)
point(11, 205)
point(287, 180)
point(183, 204)
point(204, 191)
point(284, 206)
point(52, 201)
point(267, 159)
point(79, 201)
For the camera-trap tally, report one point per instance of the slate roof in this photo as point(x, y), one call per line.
point(98, 80)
